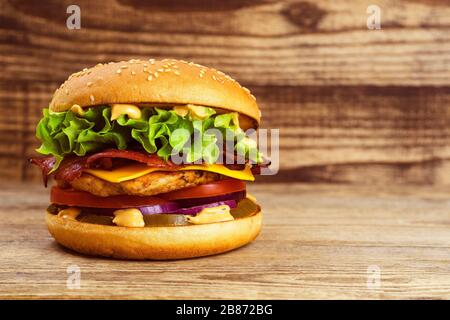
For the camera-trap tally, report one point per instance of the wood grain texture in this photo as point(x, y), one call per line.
point(260, 43)
point(317, 242)
point(346, 99)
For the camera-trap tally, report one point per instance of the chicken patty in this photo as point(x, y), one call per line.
point(147, 185)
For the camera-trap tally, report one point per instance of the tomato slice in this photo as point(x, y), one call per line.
point(71, 197)
point(212, 189)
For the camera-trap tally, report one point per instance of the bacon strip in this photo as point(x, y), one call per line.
point(151, 160)
point(72, 167)
point(46, 164)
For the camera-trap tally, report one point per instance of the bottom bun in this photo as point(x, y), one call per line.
point(154, 243)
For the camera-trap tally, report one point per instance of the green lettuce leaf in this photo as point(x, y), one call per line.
point(159, 131)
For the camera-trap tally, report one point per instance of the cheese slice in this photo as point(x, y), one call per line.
point(140, 169)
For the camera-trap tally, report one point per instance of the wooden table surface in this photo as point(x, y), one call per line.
point(318, 241)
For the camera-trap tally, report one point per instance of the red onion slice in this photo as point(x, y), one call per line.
point(159, 208)
point(169, 208)
point(197, 209)
point(236, 196)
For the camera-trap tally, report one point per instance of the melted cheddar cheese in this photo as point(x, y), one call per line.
point(138, 170)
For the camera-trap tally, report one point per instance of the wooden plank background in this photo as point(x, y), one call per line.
point(353, 105)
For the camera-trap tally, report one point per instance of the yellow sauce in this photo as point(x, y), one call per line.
point(132, 111)
point(182, 111)
point(129, 218)
point(69, 213)
point(196, 112)
point(236, 119)
point(77, 110)
point(211, 215)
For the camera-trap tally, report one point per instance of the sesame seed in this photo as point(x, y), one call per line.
point(124, 67)
point(133, 73)
point(177, 72)
point(91, 97)
point(89, 84)
point(85, 69)
point(66, 91)
point(156, 74)
point(160, 70)
point(119, 71)
point(149, 77)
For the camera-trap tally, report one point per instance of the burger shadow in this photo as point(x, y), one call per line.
point(58, 247)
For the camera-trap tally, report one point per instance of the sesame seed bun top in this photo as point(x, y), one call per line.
point(164, 82)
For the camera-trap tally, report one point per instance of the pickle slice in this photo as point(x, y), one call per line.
point(96, 219)
point(151, 220)
point(158, 220)
point(245, 208)
point(54, 208)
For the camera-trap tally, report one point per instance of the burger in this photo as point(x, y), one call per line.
point(150, 160)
